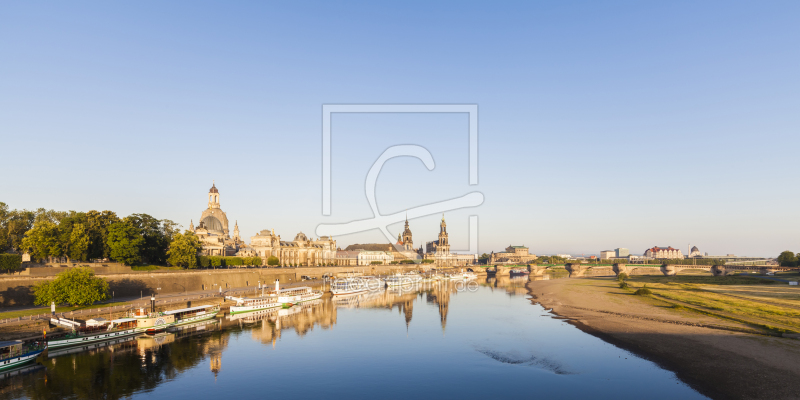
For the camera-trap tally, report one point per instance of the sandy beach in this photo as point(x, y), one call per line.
point(719, 358)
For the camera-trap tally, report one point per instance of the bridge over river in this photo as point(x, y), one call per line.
point(577, 270)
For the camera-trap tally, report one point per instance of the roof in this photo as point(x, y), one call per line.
point(10, 343)
point(518, 247)
point(213, 189)
point(188, 309)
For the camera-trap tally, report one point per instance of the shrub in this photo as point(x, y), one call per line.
point(216, 261)
point(272, 260)
point(75, 286)
point(644, 291)
point(204, 261)
point(376, 262)
point(622, 276)
point(10, 262)
point(623, 285)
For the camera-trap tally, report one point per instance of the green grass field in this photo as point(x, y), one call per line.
point(766, 304)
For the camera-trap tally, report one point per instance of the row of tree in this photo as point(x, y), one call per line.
point(789, 259)
point(84, 236)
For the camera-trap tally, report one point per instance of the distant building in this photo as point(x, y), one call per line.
point(606, 254)
point(663, 252)
point(622, 252)
point(347, 257)
point(695, 252)
point(212, 230)
point(366, 257)
point(512, 255)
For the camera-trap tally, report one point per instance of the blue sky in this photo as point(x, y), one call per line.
point(602, 125)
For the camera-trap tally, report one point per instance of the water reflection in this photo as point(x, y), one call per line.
point(368, 339)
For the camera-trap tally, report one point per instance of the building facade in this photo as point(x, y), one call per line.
point(663, 252)
point(366, 257)
point(621, 252)
point(606, 254)
point(301, 251)
point(512, 255)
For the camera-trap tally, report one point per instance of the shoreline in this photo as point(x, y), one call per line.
point(720, 359)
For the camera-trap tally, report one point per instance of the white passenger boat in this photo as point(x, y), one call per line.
point(297, 295)
point(407, 279)
point(15, 353)
point(193, 314)
point(246, 305)
point(345, 286)
point(82, 335)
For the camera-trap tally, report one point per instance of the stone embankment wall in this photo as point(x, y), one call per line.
point(17, 290)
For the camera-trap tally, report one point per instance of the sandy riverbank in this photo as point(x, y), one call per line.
point(718, 358)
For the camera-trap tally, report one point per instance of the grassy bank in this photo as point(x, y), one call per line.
point(765, 304)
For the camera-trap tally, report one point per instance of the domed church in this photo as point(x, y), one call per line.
point(213, 229)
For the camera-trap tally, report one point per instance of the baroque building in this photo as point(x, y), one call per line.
point(213, 229)
point(512, 255)
point(439, 251)
point(301, 251)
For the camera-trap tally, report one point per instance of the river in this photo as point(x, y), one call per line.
point(442, 341)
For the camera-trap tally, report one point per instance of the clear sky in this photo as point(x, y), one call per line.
point(602, 124)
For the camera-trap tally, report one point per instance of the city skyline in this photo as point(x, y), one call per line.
point(601, 125)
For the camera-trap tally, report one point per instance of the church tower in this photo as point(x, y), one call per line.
point(213, 196)
point(407, 242)
point(443, 246)
point(236, 232)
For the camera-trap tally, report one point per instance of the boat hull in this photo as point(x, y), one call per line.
point(82, 340)
point(247, 309)
point(197, 318)
point(19, 360)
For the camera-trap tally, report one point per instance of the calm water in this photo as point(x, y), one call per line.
point(438, 342)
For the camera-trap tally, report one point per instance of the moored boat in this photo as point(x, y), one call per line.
point(519, 271)
point(14, 353)
point(295, 295)
point(82, 335)
point(152, 322)
point(193, 314)
point(399, 279)
point(246, 305)
point(345, 286)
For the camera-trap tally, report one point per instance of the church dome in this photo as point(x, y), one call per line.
point(695, 249)
point(213, 189)
point(212, 223)
point(301, 237)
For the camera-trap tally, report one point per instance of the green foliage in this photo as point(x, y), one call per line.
point(79, 242)
point(125, 242)
point(427, 261)
point(644, 291)
point(272, 260)
point(622, 276)
point(787, 259)
point(98, 224)
point(233, 261)
point(623, 285)
point(376, 262)
point(204, 261)
point(183, 250)
point(13, 225)
point(75, 286)
point(157, 234)
point(10, 262)
point(43, 240)
point(216, 261)
point(256, 260)
point(407, 262)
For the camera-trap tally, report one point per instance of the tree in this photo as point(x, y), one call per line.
point(125, 242)
point(43, 240)
point(216, 261)
point(157, 236)
point(272, 260)
point(10, 262)
point(98, 224)
point(79, 242)
point(75, 286)
point(183, 250)
point(787, 259)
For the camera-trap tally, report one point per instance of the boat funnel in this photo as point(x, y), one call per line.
point(277, 284)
